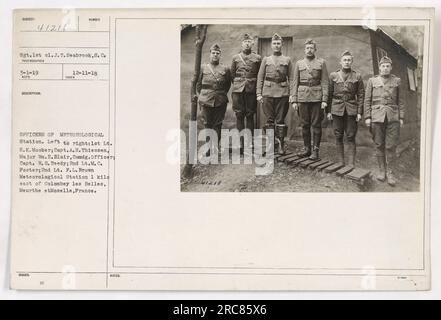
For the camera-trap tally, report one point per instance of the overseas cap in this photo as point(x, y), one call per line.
point(346, 53)
point(276, 37)
point(215, 47)
point(310, 41)
point(247, 36)
point(385, 59)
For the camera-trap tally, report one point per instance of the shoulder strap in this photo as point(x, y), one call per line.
point(212, 71)
point(241, 58)
point(340, 76)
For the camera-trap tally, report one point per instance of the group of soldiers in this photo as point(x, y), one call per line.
point(274, 83)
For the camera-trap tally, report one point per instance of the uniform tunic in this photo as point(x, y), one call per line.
point(383, 104)
point(273, 84)
point(213, 86)
point(244, 69)
point(309, 89)
point(346, 99)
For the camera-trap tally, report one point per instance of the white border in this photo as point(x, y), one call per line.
point(5, 136)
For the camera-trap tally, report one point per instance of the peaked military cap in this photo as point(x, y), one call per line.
point(385, 59)
point(247, 36)
point(276, 37)
point(310, 41)
point(346, 53)
point(215, 47)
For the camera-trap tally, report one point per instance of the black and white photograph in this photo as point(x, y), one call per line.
point(301, 108)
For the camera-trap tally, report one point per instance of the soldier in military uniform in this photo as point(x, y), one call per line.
point(345, 107)
point(244, 69)
point(309, 97)
point(384, 114)
point(273, 90)
point(212, 88)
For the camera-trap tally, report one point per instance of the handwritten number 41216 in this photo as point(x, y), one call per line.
point(52, 27)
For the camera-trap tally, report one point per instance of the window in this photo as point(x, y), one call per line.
point(415, 72)
point(411, 76)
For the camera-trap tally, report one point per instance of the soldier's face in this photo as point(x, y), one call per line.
point(215, 56)
point(310, 50)
point(247, 44)
point(276, 45)
point(385, 69)
point(346, 62)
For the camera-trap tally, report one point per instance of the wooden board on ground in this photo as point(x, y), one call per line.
point(291, 159)
point(334, 167)
point(358, 174)
point(286, 156)
point(315, 165)
point(325, 165)
point(298, 161)
point(306, 163)
point(344, 170)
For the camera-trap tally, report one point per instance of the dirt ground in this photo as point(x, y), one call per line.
point(284, 178)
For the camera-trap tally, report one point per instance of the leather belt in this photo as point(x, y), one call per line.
point(276, 80)
point(310, 83)
point(212, 87)
point(249, 78)
point(344, 97)
point(383, 102)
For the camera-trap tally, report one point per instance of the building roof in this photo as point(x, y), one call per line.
point(400, 47)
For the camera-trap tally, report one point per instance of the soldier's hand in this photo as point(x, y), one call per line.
point(368, 122)
point(291, 99)
point(401, 123)
point(329, 115)
point(259, 98)
point(324, 105)
point(358, 117)
point(194, 98)
point(295, 106)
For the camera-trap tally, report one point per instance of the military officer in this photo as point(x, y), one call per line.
point(273, 90)
point(345, 107)
point(244, 69)
point(213, 85)
point(309, 97)
point(384, 114)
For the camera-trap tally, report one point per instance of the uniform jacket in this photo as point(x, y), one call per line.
point(213, 85)
point(244, 69)
point(383, 98)
point(310, 81)
point(274, 77)
point(346, 94)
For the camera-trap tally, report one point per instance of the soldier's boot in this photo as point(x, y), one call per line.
point(381, 176)
point(240, 118)
point(218, 145)
point(271, 142)
point(250, 125)
point(351, 155)
point(281, 130)
point(390, 162)
point(341, 152)
point(315, 153)
point(242, 145)
point(209, 142)
point(306, 152)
